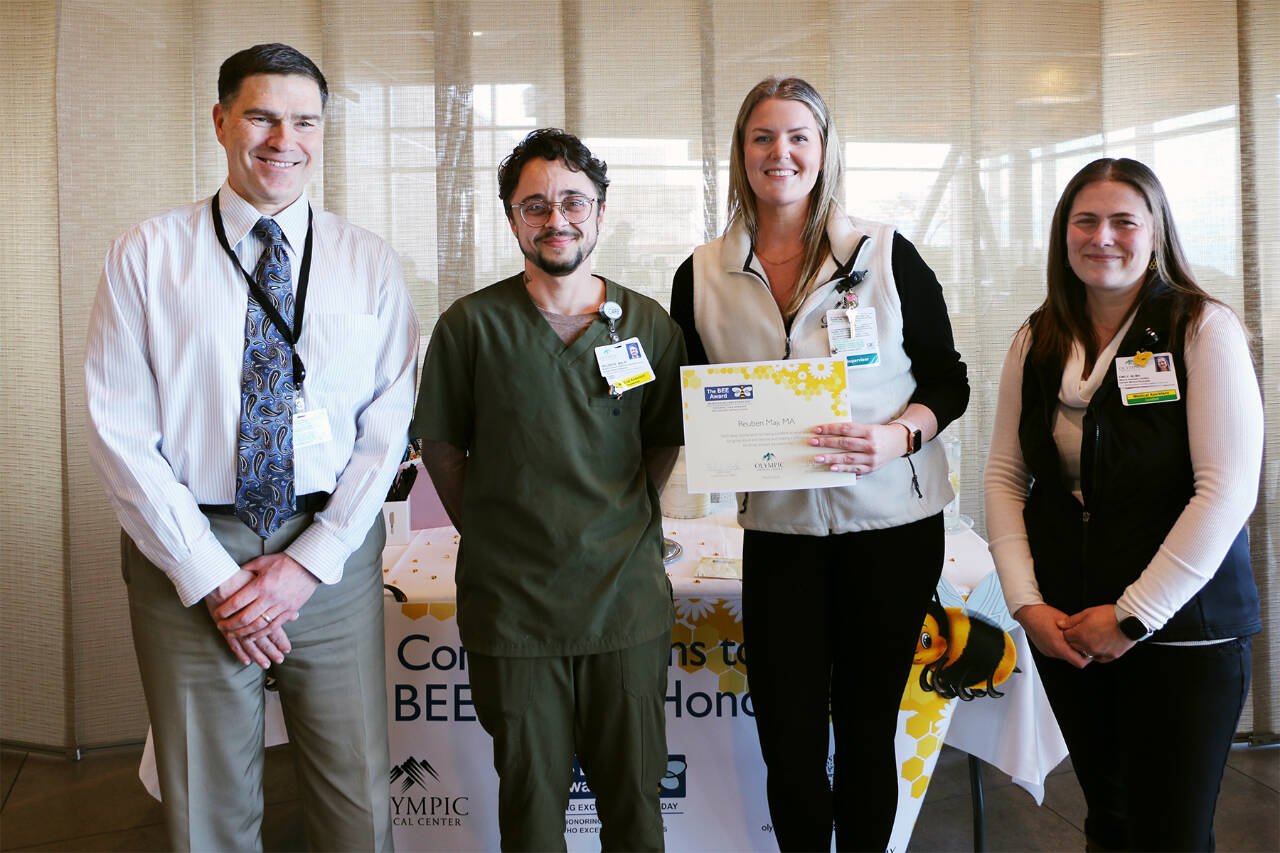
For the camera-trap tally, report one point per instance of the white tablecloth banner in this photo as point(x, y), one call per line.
point(445, 793)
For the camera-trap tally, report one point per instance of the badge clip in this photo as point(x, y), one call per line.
point(612, 313)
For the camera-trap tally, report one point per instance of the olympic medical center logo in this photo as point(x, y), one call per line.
point(415, 801)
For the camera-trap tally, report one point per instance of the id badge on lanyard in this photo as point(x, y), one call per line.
point(309, 427)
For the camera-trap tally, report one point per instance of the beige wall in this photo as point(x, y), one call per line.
point(1259, 36)
point(34, 593)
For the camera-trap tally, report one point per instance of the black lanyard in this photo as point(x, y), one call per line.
point(292, 335)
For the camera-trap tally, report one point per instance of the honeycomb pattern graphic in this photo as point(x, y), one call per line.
point(442, 610)
point(925, 725)
point(806, 379)
point(711, 621)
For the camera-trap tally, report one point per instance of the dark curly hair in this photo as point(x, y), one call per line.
point(550, 143)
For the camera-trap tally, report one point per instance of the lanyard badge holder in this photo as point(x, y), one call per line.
point(310, 427)
point(291, 333)
point(623, 364)
point(612, 313)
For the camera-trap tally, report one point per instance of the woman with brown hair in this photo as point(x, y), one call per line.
point(1117, 495)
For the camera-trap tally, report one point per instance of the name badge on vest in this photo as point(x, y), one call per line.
point(852, 333)
point(1147, 378)
point(624, 365)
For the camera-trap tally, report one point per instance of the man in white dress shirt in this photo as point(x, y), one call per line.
point(249, 545)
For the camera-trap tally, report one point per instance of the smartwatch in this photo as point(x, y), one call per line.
point(914, 437)
point(1131, 626)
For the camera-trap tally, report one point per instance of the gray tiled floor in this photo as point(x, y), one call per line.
point(97, 804)
point(1248, 816)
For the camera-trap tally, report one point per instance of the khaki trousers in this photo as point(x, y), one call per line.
point(207, 709)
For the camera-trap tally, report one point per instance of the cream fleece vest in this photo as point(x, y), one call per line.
point(738, 320)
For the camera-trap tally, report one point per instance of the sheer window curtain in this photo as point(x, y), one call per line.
point(961, 121)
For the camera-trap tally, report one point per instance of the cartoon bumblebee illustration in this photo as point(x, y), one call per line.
point(961, 654)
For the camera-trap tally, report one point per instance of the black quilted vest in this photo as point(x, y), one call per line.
point(1136, 477)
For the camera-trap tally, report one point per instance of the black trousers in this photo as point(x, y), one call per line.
point(1149, 736)
point(830, 625)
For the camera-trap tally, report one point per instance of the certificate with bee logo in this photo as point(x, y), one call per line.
point(747, 425)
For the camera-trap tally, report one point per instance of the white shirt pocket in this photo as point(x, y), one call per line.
point(340, 353)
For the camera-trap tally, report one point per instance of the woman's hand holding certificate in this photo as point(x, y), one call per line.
point(862, 448)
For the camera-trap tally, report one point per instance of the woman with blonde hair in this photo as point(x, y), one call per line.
point(1117, 495)
point(835, 581)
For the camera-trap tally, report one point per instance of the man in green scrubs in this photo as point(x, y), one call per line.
point(548, 441)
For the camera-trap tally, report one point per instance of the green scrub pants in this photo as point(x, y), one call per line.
point(606, 708)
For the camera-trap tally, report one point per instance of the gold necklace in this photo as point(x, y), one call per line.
point(777, 263)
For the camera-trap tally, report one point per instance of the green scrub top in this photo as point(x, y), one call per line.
point(561, 549)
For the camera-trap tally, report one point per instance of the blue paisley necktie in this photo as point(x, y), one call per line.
point(264, 463)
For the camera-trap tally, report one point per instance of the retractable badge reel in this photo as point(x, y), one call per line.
point(612, 313)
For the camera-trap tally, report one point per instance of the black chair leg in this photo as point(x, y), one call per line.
point(979, 809)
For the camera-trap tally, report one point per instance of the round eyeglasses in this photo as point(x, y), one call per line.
point(575, 209)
